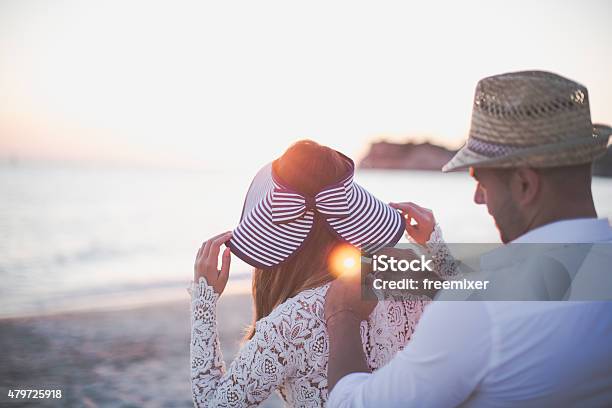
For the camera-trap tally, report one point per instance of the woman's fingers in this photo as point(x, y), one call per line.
point(208, 245)
point(403, 207)
point(215, 247)
point(409, 210)
point(425, 213)
point(201, 249)
point(411, 229)
point(206, 259)
point(226, 260)
point(424, 220)
point(417, 211)
point(413, 211)
point(409, 214)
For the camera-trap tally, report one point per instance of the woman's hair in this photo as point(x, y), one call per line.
point(307, 167)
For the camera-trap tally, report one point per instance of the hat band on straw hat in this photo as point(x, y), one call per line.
point(490, 149)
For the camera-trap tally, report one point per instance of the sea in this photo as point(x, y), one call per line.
point(75, 237)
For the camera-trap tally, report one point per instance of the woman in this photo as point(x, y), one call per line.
point(298, 209)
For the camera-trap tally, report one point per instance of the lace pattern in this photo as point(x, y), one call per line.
point(444, 264)
point(289, 350)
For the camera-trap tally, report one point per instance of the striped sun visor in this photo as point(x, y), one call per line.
point(276, 219)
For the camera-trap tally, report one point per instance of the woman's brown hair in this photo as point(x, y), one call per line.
point(307, 167)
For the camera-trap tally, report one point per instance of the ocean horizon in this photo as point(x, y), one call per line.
point(84, 237)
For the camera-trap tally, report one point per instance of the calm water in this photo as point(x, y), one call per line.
point(75, 237)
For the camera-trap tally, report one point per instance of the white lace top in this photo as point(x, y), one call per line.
point(289, 350)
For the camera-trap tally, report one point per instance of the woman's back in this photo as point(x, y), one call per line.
point(298, 211)
point(288, 351)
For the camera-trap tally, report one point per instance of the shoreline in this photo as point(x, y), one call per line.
point(122, 301)
point(117, 357)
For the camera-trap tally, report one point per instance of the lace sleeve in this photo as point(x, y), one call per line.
point(258, 369)
point(445, 265)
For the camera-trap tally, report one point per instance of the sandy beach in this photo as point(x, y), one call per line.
point(129, 358)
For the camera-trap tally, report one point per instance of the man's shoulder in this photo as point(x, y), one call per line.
point(493, 313)
point(457, 314)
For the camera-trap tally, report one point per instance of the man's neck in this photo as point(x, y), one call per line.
point(567, 211)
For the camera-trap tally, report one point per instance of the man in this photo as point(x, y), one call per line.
point(530, 149)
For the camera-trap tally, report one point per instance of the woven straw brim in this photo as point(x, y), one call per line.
point(566, 153)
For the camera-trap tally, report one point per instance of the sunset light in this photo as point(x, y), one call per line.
point(89, 80)
point(301, 168)
point(345, 259)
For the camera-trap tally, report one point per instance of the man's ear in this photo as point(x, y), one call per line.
point(526, 184)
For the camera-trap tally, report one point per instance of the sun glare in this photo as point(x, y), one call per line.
point(344, 259)
point(349, 262)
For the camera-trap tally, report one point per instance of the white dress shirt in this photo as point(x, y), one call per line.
point(496, 353)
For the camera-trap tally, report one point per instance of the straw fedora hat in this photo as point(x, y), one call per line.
point(530, 118)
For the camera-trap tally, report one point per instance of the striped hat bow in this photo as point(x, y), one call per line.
point(277, 219)
point(331, 202)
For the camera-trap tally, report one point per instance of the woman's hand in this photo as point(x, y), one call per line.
point(424, 218)
point(207, 261)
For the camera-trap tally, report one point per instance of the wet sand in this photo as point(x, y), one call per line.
point(122, 358)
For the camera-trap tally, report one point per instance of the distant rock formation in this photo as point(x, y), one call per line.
point(428, 156)
point(603, 166)
point(413, 156)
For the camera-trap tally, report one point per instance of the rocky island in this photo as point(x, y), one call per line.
point(413, 156)
point(430, 156)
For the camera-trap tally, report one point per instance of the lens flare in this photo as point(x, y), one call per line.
point(344, 259)
point(349, 262)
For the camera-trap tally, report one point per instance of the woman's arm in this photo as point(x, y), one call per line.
point(428, 234)
point(261, 364)
point(255, 373)
point(444, 264)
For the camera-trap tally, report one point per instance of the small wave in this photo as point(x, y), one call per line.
point(90, 254)
point(111, 297)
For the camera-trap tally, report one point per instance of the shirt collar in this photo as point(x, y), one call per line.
point(579, 230)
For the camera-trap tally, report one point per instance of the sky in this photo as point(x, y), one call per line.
point(231, 84)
